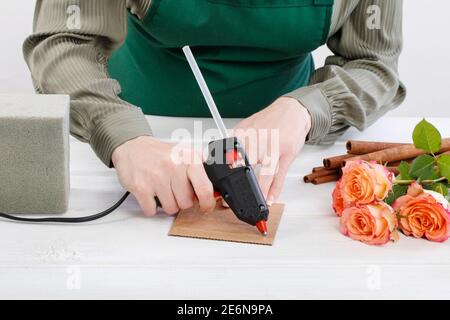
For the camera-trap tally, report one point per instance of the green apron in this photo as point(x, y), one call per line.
point(250, 52)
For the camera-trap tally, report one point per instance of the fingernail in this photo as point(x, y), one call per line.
point(270, 201)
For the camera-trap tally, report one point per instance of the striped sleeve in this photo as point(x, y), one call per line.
point(360, 82)
point(67, 53)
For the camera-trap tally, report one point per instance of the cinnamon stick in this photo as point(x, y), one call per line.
point(360, 147)
point(336, 161)
point(398, 153)
point(316, 169)
point(320, 173)
point(325, 179)
point(336, 176)
point(396, 163)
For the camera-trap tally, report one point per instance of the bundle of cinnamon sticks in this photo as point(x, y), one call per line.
point(386, 153)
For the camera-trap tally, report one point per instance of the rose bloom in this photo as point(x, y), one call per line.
point(374, 223)
point(338, 202)
point(423, 214)
point(361, 183)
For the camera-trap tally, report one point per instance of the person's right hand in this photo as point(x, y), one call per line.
point(146, 167)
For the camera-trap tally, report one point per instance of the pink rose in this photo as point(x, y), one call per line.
point(423, 213)
point(338, 202)
point(374, 223)
point(364, 182)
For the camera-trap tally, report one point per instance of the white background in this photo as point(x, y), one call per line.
point(424, 64)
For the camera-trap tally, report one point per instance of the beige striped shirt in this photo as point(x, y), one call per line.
point(357, 85)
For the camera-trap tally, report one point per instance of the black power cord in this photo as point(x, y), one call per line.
point(69, 220)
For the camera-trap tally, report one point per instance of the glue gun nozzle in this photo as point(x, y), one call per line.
point(262, 227)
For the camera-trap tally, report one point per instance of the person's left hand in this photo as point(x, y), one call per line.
point(272, 138)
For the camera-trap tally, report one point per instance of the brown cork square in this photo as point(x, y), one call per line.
point(222, 224)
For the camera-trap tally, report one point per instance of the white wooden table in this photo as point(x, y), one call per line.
point(127, 255)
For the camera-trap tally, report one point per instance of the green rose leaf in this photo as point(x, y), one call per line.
point(433, 175)
point(423, 168)
point(426, 137)
point(403, 169)
point(441, 188)
point(444, 165)
point(398, 190)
